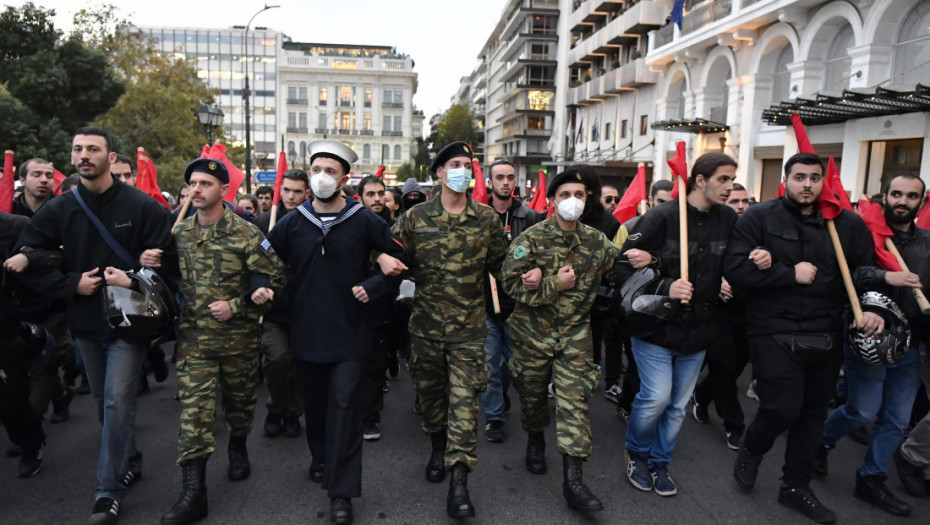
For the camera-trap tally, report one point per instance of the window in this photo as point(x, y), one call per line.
point(291, 150)
point(397, 124)
point(291, 92)
point(385, 152)
point(366, 123)
point(302, 120)
point(536, 123)
point(643, 124)
point(345, 95)
point(397, 153)
point(539, 50)
point(368, 99)
point(366, 151)
point(624, 124)
point(303, 149)
point(321, 121)
point(398, 97)
point(302, 93)
point(386, 126)
point(345, 120)
point(323, 96)
point(292, 119)
point(607, 130)
point(388, 97)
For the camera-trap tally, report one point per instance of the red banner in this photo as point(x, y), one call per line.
point(7, 183)
point(147, 178)
point(279, 178)
point(633, 195)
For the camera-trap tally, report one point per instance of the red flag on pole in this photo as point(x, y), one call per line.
point(538, 202)
point(833, 173)
point(878, 227)
point(147, 178)
point(679, 166)
point(804, 143)
point(7, 183)
point(218, 152)
point(633, 195)
point(279, 178)
point(480, 193)
point(57, 180)
point(923, 216)
point(380, 172)
point(781, 189)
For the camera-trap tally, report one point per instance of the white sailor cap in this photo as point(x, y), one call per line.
point(333, 149)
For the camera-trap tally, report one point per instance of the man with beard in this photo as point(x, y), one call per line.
point(884, 395)
point(136, 222)
point(453, 244)
point(265, 196)
point(327, 245)
point(371, 194)
point(781, 254)
point(610, 198)
point(122, 168)
point(516, 218)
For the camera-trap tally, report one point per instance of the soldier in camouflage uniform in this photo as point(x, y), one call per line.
point(229, 275)
point(552, 271)
point(453, 242)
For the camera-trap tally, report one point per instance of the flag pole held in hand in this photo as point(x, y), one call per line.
point(916, 292)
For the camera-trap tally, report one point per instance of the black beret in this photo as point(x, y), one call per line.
point(563, 178)
point(208, 166)
point(452, 150)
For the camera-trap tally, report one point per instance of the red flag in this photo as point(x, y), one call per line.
point(633, 195)
point(878, 227)
point(57, 180)
point(923, 216)
point(679, 166)
point(7, 183)
point(279, 178)
point(218, 152)
point(538, 202)
point(833, 173)
point(830, 204)
point(205, 152)
point(804, 143)
point(380, 172)
point(781, 189)
point(480, 193)
point(147, 178)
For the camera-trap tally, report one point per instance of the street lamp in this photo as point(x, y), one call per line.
point(246, 96)
point(211, 117)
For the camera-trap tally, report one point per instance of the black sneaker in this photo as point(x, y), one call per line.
point(273, 426)
point(746, 468)
point(698, 410)
point(494, 431)
point(106, 512)
point(61, 407)
point(371, 432)
point(733, 438)
point(292, 426)
point(30, 464)
point(872, 489)
point(911, 475)
point(803, 500)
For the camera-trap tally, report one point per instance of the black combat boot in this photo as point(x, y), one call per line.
point(536, 453)
point(192, 504)
point(435, 469)
point(577, 495)
point(458, 505)
point(239, 467)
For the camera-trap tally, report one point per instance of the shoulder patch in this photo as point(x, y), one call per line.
point(266, 244)
point(519, 252)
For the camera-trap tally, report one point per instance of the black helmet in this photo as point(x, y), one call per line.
point(888, 347)
point(645, 310)
point(145, 312)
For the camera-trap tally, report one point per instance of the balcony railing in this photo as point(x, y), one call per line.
point(392, 133)
point(322, 102)
point(296, 129)
point(345, 103)
point(664, 36)
point(301, 101)
point(706, 15)
point(320, 131)
point(366, 132)
point(392, 104)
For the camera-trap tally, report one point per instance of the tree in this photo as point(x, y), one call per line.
point(404, 172)
point(458, 123)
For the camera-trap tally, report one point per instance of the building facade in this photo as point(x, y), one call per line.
point(360, 95)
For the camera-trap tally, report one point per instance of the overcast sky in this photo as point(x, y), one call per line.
point(442, 37)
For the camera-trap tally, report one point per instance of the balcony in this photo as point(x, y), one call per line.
point(588, 13)
point(366, 132)
point(663, 36)
point(392, 133)
point(322, 102)
point(643, 17)
point(320, 131)
point(298, 101)
point(635, 73)
point(396, 105)
point(367, 104)
point(296, 129)
point(706, 15)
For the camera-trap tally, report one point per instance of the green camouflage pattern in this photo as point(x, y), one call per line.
point(550, 329)
point(448, 379)
point(215, 265)
point(451, 256)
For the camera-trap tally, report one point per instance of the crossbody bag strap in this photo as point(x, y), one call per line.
point(102, 230)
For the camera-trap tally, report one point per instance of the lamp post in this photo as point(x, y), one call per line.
point(211, 117)
point(246, 95)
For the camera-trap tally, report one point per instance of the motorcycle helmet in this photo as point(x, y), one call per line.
point(888, 347)
point(644, 308)
point(145, 312)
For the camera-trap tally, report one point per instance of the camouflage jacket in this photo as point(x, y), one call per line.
point(451, 256)
point(550, 315)
point(224, 263)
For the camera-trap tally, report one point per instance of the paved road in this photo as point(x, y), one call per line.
point(395, 492)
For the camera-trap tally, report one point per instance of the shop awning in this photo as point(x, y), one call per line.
point(830, 108)
point(696, 125)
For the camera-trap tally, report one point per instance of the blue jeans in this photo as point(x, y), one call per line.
point(667, 379)
point(498, 350)
point(113, 370)
point(883, 394)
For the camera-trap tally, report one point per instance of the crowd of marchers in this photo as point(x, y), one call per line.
point(324, 291)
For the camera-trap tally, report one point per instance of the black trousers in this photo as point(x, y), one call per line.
point(373, 388)
point(794, 390)
point(334, 422)
point(725, 363)
point(22, 424)
point(603, 332)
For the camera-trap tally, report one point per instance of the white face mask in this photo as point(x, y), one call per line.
point(571, 209)
point(323, 185)
point(458, 179)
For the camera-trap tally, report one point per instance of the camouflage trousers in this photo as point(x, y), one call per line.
point(199, 373)
point(449, 378)
point(574, 373)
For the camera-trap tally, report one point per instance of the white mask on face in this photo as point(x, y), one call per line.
point(458, 179)
point(571, 208)
point(323, 185)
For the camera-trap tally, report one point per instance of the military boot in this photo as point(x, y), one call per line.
point(536, 453)
point(192, 504)
point(435, 469)
point(458, 505)
point(239, 467)
point(578, 496)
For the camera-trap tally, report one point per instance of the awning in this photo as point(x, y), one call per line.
point(697, 125)
point(830, 108)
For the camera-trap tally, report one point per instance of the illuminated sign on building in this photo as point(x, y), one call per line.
point(342, 64)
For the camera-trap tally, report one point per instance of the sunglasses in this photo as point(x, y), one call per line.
point(610, 199)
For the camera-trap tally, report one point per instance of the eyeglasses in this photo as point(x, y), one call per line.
point(610, 199)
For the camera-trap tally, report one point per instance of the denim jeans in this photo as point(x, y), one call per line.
point(113, 370)
point(498, 350)
point(667, 379)
point(883, 394)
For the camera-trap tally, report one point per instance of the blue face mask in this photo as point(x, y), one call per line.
point(458, 179)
